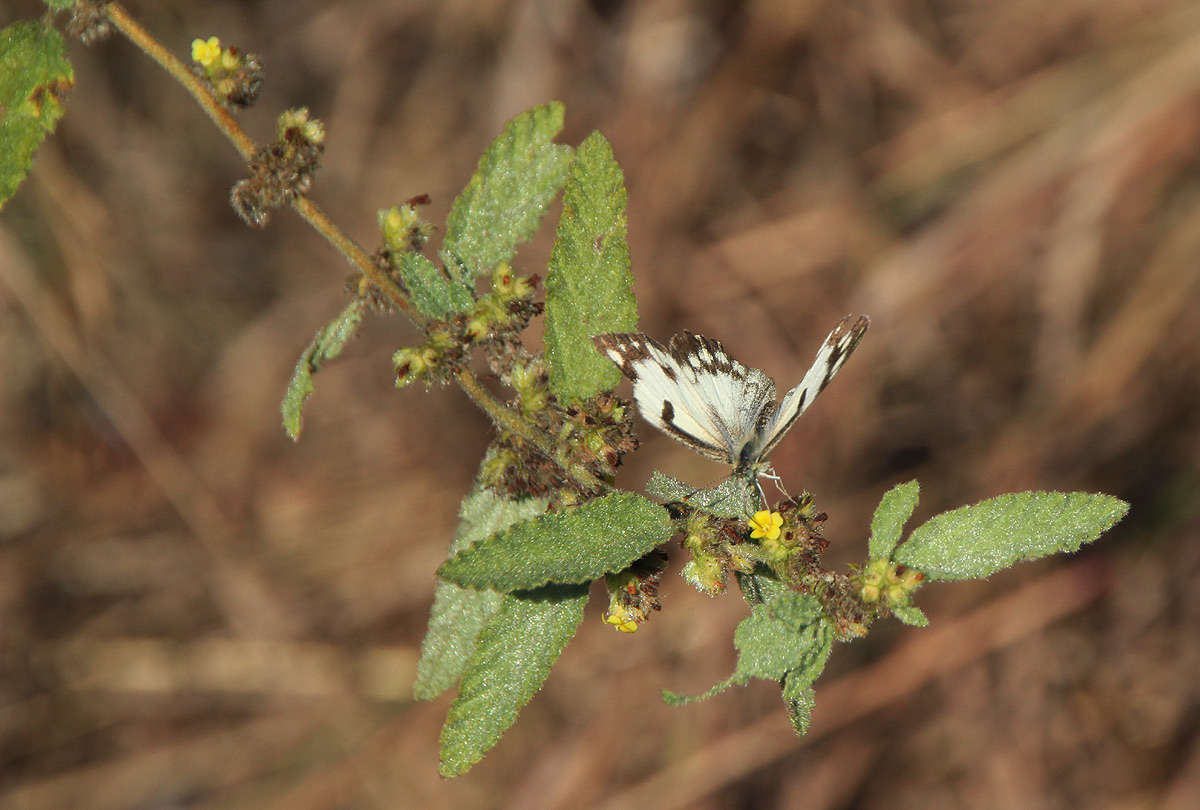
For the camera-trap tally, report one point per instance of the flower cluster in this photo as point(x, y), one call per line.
point(633, 593)
point(887, 583)
point(236, 78)
point(717, 546)
point(493, 322)
point(403, 229)
point(282, 170)
point(594, 434)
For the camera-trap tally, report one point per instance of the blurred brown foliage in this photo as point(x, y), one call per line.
point(196, 613)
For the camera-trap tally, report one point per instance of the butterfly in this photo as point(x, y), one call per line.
point(693, 391)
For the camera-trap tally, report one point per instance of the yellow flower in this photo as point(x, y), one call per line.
point(766, 524)
point(622, 619)
point(206, 51)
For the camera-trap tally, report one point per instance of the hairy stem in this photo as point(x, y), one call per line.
point(179, 71)
point(502, 416)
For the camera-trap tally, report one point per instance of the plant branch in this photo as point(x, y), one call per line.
point(179, 71)
point(502, 416)
point(513, 423)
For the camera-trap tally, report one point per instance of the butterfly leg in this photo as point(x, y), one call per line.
point(770, 475)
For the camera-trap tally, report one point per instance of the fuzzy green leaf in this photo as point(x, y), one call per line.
point(517, 178)
point(677, 699)
point(733, 497)
point(589, 288)
point(35, 77)
point(513, 656)
point(911, 615)
point(604, 535)
point(460, 613)
point(799, 699)
point(975, 541)
point(328, 344)
point(760, 587)
point(62, 5)
point(435, 294)
point(894, 510)
point(784, 635)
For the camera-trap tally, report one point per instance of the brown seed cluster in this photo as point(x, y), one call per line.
point(281, 171)
point(594, 434)
point(89, 22)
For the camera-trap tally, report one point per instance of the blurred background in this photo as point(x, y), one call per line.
point(197, 613)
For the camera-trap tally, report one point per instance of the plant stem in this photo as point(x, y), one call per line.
point(502, 416)
point(199, 90)
point(513, 423)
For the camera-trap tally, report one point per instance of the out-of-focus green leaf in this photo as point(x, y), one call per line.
point(35, 77)
point(513, 656)
point(893, 512)
point(589, 288)
point(517, 178)
point(601, 536)
point(328, 344)
point(460, 613)
point(975, 541)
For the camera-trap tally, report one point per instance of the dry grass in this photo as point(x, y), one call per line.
point(196, 613)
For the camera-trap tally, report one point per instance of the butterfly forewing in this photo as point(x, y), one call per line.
point(665, 391)
point(734, 394)
point(832, 355)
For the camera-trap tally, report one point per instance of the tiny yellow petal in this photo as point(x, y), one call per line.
point(766, 524)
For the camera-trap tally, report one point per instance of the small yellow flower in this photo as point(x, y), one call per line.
point(206, 52)
point(623, 620)
point(766, 524)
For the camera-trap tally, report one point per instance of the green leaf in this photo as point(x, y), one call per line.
point(517, 178)
point(460, 613)
point(732, 498)
point(62, 5)
point(676, 699)
point(784, 635)
point(328, 344)
point(975, 541)
point(435, 294)
point(589, 288)
point(911, 615)
point(799, 699)
point(35, 77)
point(762, 586)
point(513, 656)
point(603, 535)
point(894, 510)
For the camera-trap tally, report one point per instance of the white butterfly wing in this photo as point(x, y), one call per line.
point(829, 360)
point(692, 391)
